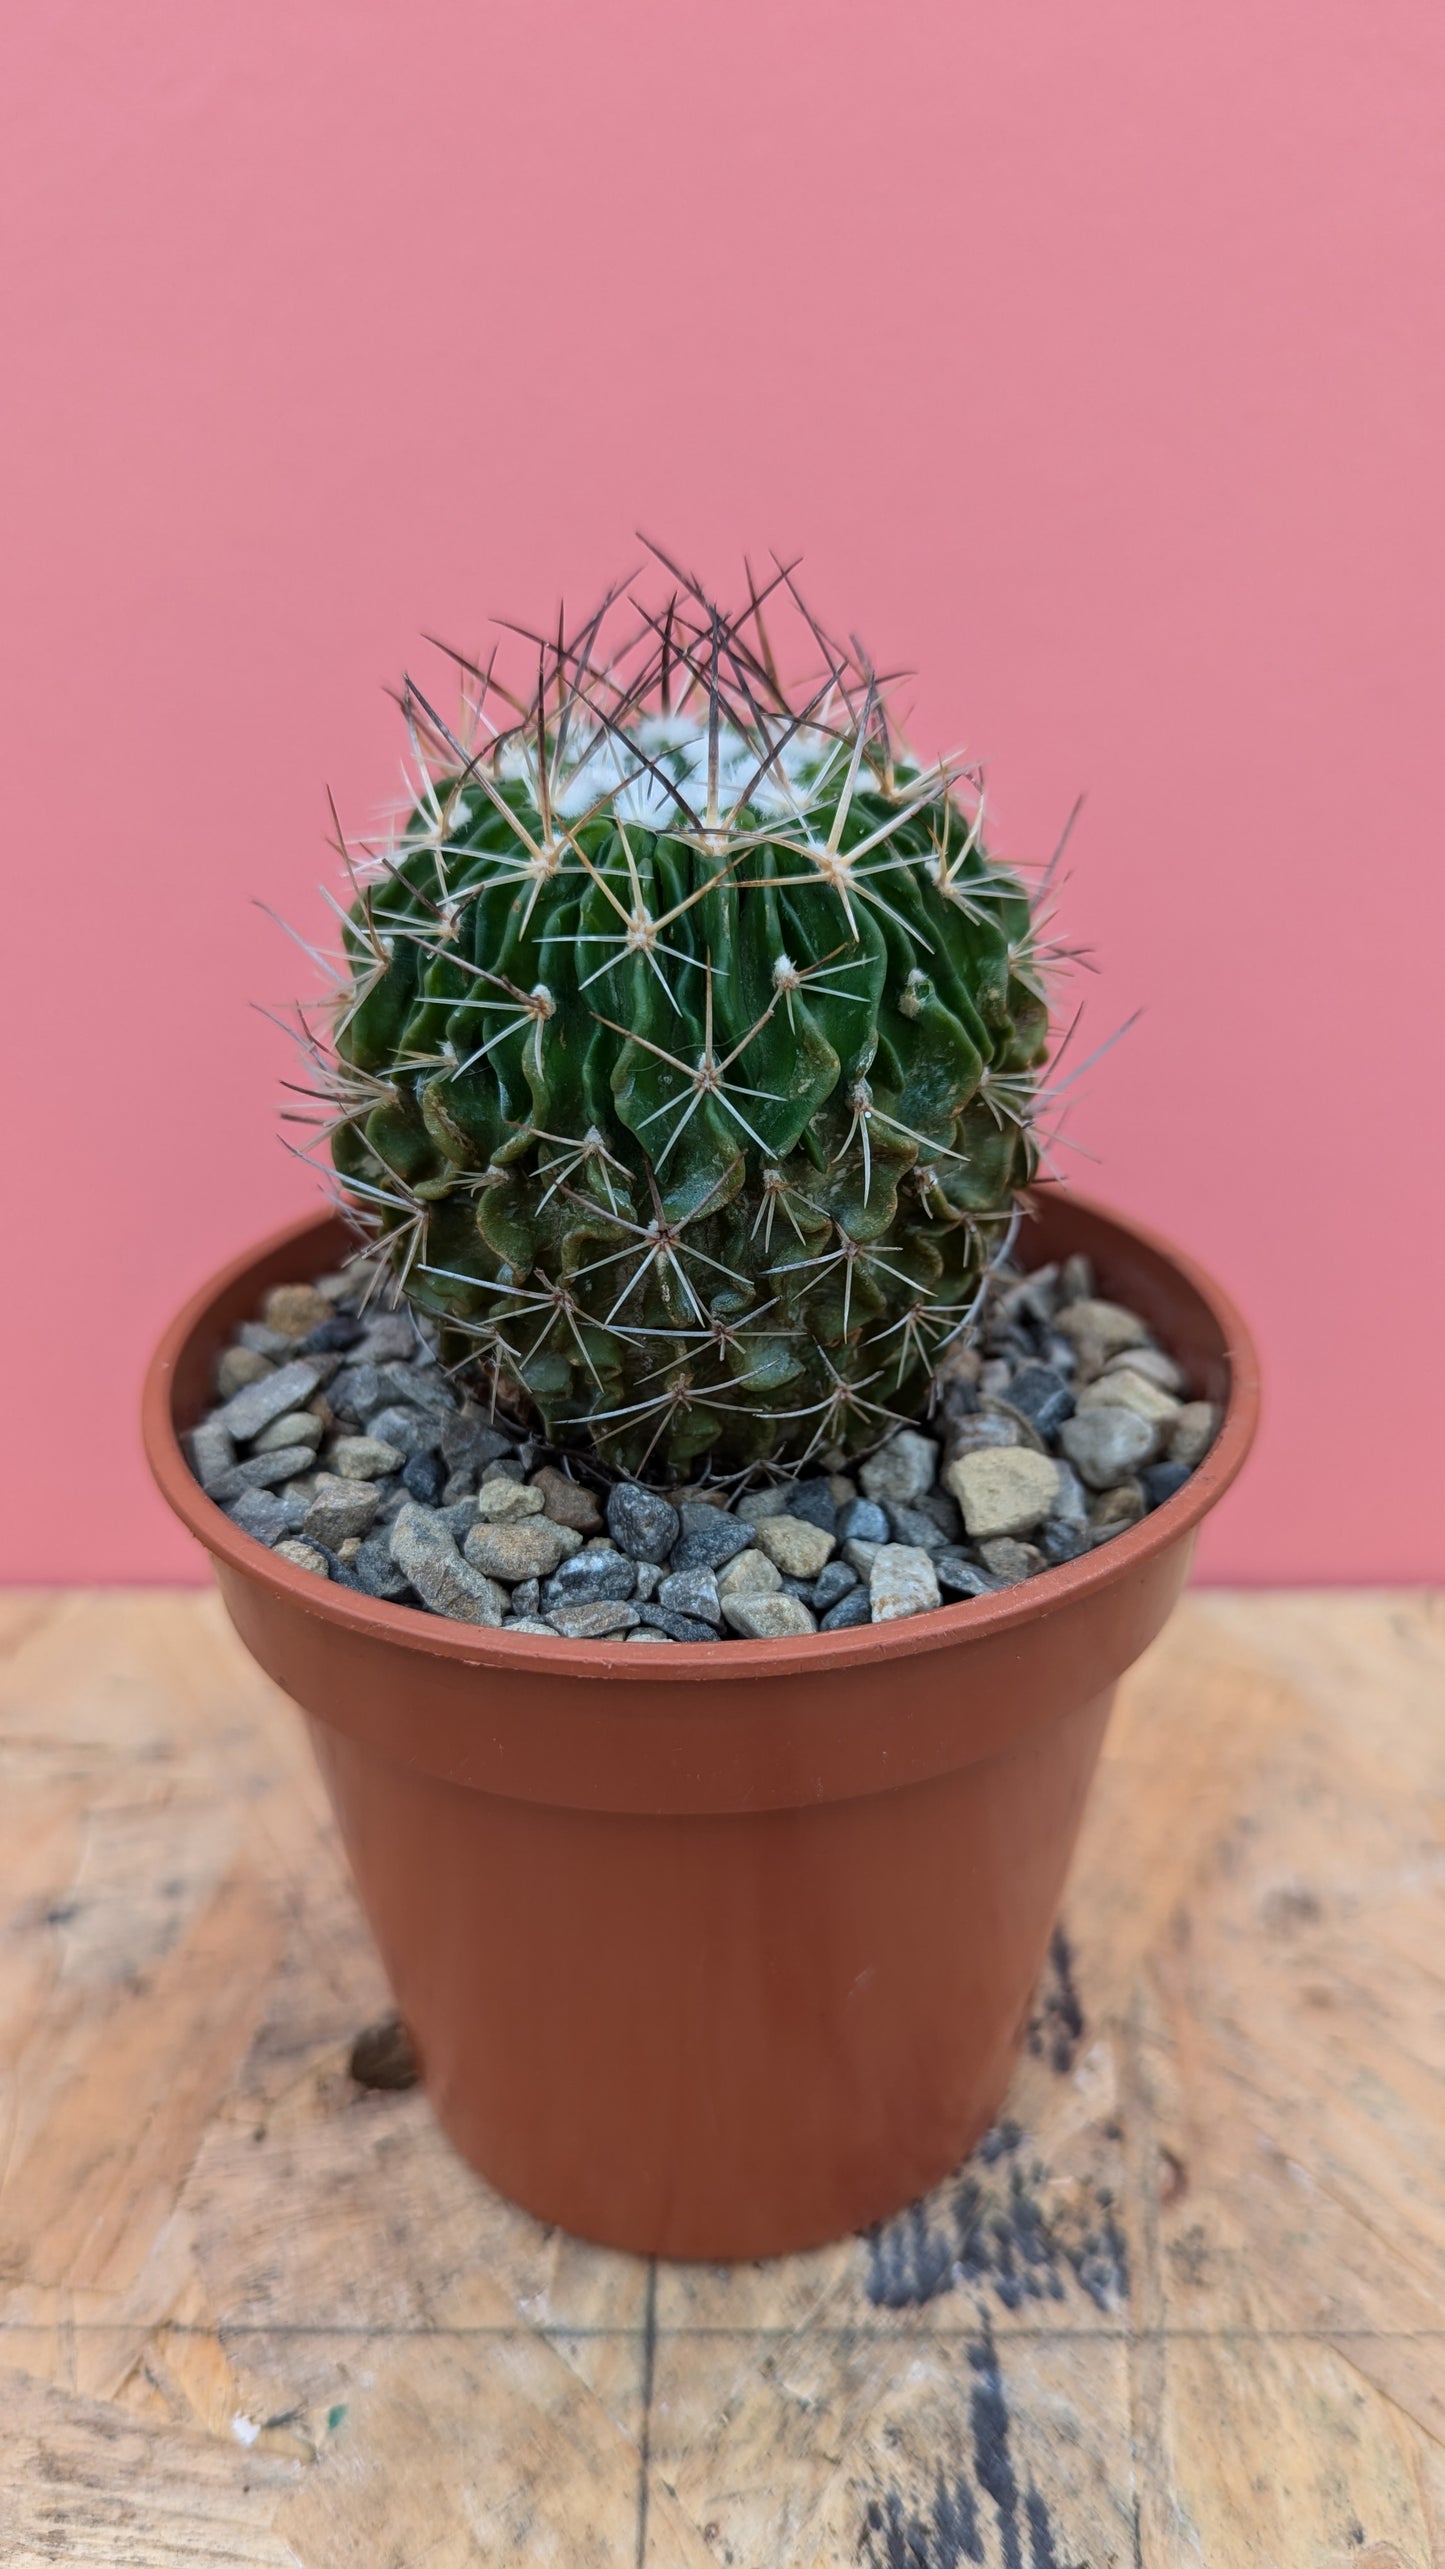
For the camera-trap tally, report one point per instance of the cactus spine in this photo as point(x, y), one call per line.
point(690, 1048)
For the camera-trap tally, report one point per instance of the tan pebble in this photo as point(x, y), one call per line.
point(1195, 1430)
point(239, 1366)
point(749, 1574)
point(1124, 1390)
point(796, 1547)
point(1007, 1559)
point(959, 1364)
point(758, 1618)
point(295, 1309)
point(529, 1547)
point(1113, 1510)
point(1153, 1364)
point(842, 1489)
point(348, 1550)
point(1006, 1490)
point(503, 1502)
point(1104, 1328)
point(298, 1427)
point(303, 1556)
point(567, 1502)
point(363, 1458)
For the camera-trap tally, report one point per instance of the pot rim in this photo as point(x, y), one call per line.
point(481, 1646)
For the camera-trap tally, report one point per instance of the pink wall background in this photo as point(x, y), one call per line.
point(1092, 356)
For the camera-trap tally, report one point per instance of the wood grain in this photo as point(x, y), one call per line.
point(1186, 2306)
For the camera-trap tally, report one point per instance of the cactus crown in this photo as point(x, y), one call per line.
point(689, 1051)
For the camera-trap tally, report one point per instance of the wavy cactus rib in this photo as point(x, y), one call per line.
point(690, 1050)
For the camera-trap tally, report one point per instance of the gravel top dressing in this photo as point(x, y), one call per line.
point(338, 1441)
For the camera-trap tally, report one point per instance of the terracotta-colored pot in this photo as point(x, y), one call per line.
point(716, 1950)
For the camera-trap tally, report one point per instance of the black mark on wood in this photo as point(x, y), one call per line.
point(1001, 2232)
point(947, 2530)
point(1056, 2027)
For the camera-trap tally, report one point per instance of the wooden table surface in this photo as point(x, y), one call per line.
point(1186, 2306)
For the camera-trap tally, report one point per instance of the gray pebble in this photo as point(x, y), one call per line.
point(1060, 1539)
point(457, 1485)
point(421, 1387)
point(409, 1430)
point(589, 1576)
point(530, 1623)
point(815, 1504)
point(375, 1572)
point(211, 1451)
point(256, 1404)
point(957, 1576)
point(691, 1592)
point(458, 1519)
point(266, 1515)
point(850, 1610)
point(298, 1427)
point(1009, 1561)
point(761, 1504)
point(390, 1336)
point(422, 1478)
point(470, 1440)
point(357, 1392)
point(263, 1472)
point(1042, 1397)
point(650, 1576)
point(1161, 1480)
point(863, 1522)
point(423, 1550)
point(1106, 1445)
point(709, 1538)
point(1072, 1504)
point(263, 1341)
point(527, 1599)
point(677, 1626)
point(836, 1579)
point(594, 1621)
point(916, 1526)
point(641, 1523)
point(904, 1468)
point(340, 1508)
point(860, 1555)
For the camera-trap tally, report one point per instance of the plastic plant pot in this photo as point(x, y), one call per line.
point(717, 1950)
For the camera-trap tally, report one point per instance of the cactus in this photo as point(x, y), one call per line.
point(690, 1046)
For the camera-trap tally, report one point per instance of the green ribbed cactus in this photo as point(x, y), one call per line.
point(691, 1045)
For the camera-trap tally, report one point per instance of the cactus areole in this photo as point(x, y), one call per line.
point(691, 1044)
